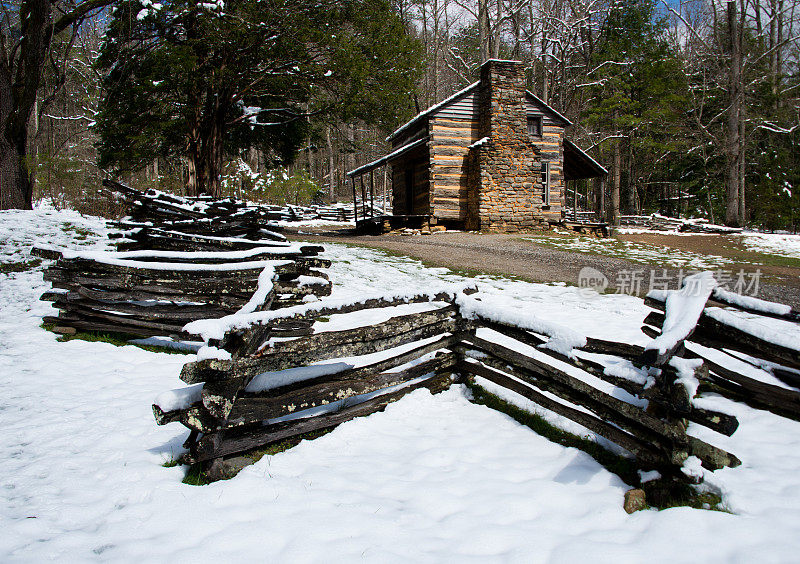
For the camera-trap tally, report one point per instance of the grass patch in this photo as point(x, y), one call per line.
point(634, 251)
point(277, 447)
point(660, 494)
point(171, 463)
point(463, 272)
point(19, 266)
point(116, 339)
point(78, 233)
point(195, 476)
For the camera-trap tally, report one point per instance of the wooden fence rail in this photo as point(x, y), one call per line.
point(271, 389)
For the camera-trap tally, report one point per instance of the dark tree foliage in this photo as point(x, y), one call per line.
point(199, 80)
point(638, 97)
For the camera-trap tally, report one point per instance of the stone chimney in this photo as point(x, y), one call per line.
point(506, 190)
point(502, 101)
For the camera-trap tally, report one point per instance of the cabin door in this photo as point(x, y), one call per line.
point(410, 189)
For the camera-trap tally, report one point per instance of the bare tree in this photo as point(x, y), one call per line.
point(27, 33)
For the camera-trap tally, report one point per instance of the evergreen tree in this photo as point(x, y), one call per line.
point(638, 95)
point(198, 80)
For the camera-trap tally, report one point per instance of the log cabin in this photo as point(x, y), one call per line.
point(492, 157)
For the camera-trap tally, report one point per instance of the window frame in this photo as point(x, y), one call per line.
point(546, 182)
point(535, 132)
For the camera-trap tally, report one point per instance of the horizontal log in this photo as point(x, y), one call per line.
point(251, 366)
point(641, 449)
point(713, 458)
point(722, 423)
point(248, 410)
point(75, 301)
point(225, 443)
point(724, 300)
point(622, 350)
point(629, 417)
point(711, 332)
point(754, 392)
point(396, 325)
point(241, 336)
point(91, 325)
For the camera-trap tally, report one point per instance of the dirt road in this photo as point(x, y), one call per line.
point(509, 254)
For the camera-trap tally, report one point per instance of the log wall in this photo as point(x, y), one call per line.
point(451, 137)
point(417, 159)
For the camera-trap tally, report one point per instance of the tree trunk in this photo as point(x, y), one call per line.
point(213, 155)
point(483, 29)
point(615, 178)
point(20, 78)
point(331, 167)
point(16, 188)
point(195, 177)
point(732, 121)
point(631, 192)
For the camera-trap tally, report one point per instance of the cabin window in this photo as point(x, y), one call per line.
point(545, 184)
point(535, 126)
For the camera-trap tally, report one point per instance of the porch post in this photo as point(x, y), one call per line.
point(355, 205)
point(372, 192)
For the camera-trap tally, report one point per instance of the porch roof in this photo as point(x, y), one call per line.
point(394, 155)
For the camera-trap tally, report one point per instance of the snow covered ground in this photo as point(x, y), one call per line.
point(645, 253)
point(781, 244)
point(432, 479)
point(784, 245)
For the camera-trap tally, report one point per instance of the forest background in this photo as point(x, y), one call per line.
point(693, 102)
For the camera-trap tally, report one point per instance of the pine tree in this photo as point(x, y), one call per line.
point(638, 95)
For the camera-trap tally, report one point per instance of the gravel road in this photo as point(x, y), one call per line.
point(510, 255)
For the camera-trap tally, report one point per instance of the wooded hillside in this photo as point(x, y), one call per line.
point(693, 106)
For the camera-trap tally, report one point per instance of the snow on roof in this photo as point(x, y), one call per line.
point(430, 110)
point(500, 61)
point(585, 155)
point(548, 107)
point(396, 153)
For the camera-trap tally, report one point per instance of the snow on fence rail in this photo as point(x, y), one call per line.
point(660, 222)
point(150, 293)
point(750, 347)
point(344, 365)
point(171, 268)
point(200, 216)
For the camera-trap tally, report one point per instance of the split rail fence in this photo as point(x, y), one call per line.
point(172, 267)
point(272, 389)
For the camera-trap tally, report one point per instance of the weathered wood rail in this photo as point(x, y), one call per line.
point(203, 216)
point(752, 366)
point(272, 389)
point(173, 266)
point(152, 294)
point(260, 395)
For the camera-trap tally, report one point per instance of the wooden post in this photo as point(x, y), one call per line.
point(600, 199)
point(355, 203)
point(372, 193)
point(586, 191)
point(575, 200)
point(385, 184)
point(363, 197)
